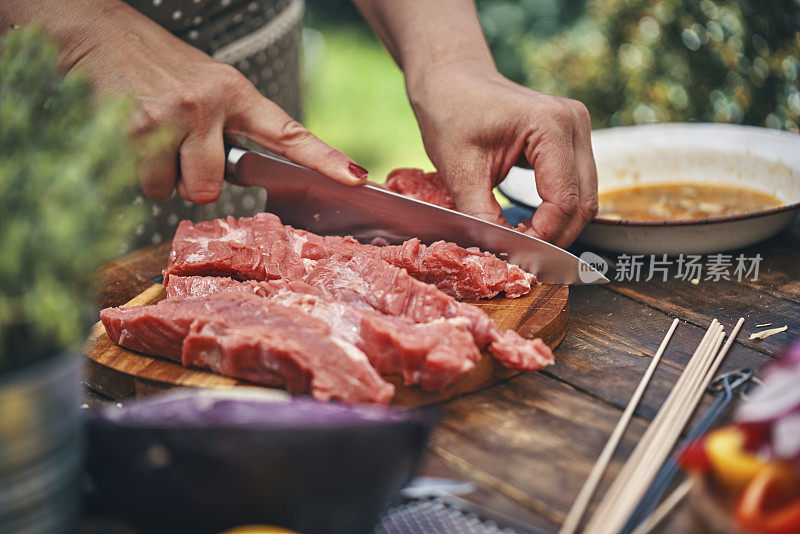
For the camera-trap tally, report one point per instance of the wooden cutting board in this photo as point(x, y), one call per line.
point(120, 373)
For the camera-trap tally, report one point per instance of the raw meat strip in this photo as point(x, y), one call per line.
point(249, 248)
point(433, 354)
point(459, 272)
point(151, 330)
point(261, 248)
point(198, 287)
point(421, 185)
point(368, 282)
point(427, 187)
point(248, 337)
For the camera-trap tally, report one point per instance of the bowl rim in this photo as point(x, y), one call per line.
point(700, 127)
point(677, 222)
point(422, 416)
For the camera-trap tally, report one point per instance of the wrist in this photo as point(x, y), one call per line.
point(434, 77)
point(90, 26)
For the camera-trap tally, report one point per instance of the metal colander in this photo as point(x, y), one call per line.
point(447, 515)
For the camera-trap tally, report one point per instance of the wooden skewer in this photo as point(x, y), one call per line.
point(734, 334)
point(590, 486)
point(684, 381)
point(668, 434)
point(670, 429)
point(683, 413)
point(666, 506)
point(618, 486)
point(686, 410)
point(660, 437)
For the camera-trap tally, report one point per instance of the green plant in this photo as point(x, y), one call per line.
point(508, 24)
point(67, 175)
point(639, 61)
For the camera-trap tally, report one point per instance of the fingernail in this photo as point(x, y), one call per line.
point(358, 171)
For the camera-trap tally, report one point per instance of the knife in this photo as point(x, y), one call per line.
point(309, 200)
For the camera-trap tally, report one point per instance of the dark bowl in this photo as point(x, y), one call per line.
point(201, 461)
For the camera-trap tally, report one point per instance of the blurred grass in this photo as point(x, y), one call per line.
point(354, 99)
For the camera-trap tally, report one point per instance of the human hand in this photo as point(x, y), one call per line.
point(476, 124)
point(201, 101)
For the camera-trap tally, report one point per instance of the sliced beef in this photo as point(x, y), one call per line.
point(421, 185)
point(364, 281)
point(261, 248)
point(367, 283)
point(256, 300)
point(198, 287)
point(431, 354)
point(427, 187)
point(459, 272)
point(155, 330)
point(249, 248)
point(252, 338)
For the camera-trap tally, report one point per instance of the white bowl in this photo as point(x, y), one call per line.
point(759, 158)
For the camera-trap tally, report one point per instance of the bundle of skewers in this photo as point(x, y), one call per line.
point(628, 503)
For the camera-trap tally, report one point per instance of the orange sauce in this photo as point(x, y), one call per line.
point(682, 201)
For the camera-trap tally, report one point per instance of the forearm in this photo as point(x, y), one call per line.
point(422, 35)
point(75, 24)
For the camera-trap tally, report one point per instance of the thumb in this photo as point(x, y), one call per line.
point(471, 185)
point(264, 122)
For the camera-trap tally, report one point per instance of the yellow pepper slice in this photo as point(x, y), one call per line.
point(732, 466)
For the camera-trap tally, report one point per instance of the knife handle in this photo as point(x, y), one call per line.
point(233, 154)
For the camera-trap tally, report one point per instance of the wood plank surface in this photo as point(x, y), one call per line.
point(119, 373)
point(529, 442)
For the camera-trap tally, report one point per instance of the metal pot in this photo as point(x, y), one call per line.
point(41, 447)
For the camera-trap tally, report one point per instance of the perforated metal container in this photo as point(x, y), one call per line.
point(41, 446)
point(262, 39)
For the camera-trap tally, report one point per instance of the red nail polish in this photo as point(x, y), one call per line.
point(358, 171)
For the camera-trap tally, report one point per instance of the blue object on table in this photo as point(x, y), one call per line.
point(516, 214)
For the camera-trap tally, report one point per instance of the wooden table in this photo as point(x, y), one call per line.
point(530, 442)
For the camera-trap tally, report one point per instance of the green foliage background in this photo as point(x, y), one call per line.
point(355, 100)
point(67, 180)
point(629, 61)
point(640, 61)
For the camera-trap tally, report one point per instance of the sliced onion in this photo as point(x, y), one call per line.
point(243, 408)
point(789, 362)
point(776, 403)
point(777, 396)
point(786, 437)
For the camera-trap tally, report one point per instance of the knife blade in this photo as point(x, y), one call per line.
point(307, 199)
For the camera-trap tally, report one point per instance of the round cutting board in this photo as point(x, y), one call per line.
point(120, 373)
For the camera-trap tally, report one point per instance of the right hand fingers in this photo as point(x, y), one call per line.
point(553, 159)
point(473, 197)
point(202, 157)
point(264, 122)
point(232, 105)
point(586, 174)
point(158, 174)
